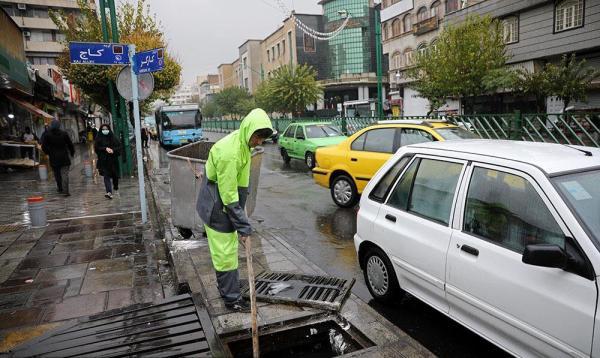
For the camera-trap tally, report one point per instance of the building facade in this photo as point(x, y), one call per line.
point(541, 31)
point(351, 65)
point(226, 78)
point(183, 94)
point(43, 41)
point(410, 26)
point(288, 45)
point(251, 72)
point(208, 86)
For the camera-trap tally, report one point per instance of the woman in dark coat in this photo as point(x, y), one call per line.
point(107, 148)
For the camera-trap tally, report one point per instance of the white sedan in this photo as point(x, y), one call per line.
point(501, 236)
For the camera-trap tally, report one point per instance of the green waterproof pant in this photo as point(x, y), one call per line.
point(223, 249)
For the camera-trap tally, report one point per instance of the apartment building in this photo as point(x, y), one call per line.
point(410, 26)
point(288, 45)
point(43, 42)
point(540, 31)
point(251, 71)
point(225, 75)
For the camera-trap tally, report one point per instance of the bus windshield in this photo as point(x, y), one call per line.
point(180, 120)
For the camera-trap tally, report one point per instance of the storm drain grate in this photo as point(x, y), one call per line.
point(309, 290)
point(173, 327)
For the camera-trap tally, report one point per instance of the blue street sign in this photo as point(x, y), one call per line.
point(149, 61)
point(94, 53)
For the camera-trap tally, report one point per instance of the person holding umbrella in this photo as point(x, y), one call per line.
point(107, 149)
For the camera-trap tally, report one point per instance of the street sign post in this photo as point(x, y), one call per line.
point(92, 53)
point(149, 61)
point(95, 53)
point(138, 133)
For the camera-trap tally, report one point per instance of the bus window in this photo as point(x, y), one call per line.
point(181, 120)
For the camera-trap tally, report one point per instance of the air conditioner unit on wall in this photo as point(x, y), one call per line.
point(21, 6)
point(27, 34)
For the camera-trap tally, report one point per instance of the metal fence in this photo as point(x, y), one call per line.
point(576, 128)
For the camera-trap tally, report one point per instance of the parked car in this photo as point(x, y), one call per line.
point(346, 168)
point(301, 140)
point(501, 236)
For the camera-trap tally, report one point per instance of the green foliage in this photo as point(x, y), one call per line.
point(468, 59)
point(210, 109)
point(234, 101)
point(570, 79)
point(291, 89)
point(136, 25)
point(533, 84)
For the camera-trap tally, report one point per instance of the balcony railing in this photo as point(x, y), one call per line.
point(426, 26)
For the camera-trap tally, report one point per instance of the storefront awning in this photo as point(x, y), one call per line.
point(30, 108)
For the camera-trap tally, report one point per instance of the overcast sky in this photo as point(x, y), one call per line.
point(205, 33)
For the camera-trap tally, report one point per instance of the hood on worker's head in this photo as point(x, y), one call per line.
point(55, 124)
point(255, 120)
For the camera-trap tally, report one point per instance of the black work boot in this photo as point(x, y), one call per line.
point(240, 305)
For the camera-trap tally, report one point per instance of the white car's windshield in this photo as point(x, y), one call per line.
point(583, 193)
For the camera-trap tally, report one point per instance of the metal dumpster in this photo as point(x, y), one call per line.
point(184, 163)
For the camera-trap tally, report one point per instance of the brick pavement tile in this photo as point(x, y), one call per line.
point(23, 274)
point(73, 246)
point(119, 298)
point(9, 237)
point(61, 272)
point(143, 294)
point(53, 238)
point(14, 299)
point(90, 255)
point(17, 250)
point(44, 261)
point(110, 265)
point(77, 236)
point(73, 287)
point(107, 282)
point(7, 267)
point(18, 318)
point(129, 249)
point(46, 295)
point(76, 306)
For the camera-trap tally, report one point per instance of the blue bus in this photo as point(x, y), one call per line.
point(178, 124)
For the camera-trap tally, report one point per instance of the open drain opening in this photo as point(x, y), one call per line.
point(318, 340)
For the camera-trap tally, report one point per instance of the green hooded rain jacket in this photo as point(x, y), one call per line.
point(224, 190)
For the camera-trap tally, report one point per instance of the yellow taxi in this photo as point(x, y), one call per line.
point(347, 167)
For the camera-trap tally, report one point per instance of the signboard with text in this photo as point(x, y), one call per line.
point(149, 61)
point(94, 53)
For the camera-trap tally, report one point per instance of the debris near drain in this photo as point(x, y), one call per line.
point(324, 292)
point(275, 288)
point(338, 342)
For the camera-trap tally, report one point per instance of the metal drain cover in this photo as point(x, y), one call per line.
point(178, 326)
point(324, 292)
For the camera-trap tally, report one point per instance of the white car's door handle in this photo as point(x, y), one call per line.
point(470, 250)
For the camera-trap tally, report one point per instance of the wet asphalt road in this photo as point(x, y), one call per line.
point(290, 203)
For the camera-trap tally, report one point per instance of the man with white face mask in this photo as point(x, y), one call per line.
point(107, 150)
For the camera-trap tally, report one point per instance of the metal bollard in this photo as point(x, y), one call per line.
point(37, 211)
point(43, 170)
point(87, 168)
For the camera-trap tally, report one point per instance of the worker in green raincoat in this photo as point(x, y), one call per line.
point(222, 199)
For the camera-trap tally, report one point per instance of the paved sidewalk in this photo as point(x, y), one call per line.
point(87, 194)
point(94, 256)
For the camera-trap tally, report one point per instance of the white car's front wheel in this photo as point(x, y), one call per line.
point(380, 276)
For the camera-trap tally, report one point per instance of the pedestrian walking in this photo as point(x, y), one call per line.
point(108, 149)
point(222, 199)
point(144, 137)
point(59, 147)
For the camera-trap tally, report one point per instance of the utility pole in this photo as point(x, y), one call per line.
point(128, 169)
point(117, 103)
point(111, 89)
point(378, 53)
